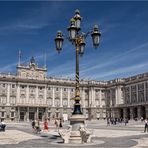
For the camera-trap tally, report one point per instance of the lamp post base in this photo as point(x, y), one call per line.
point(76, 121)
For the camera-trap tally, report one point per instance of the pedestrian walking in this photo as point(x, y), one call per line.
point(125, 121)
point(60, 124)
point(46, 125)
point(37, 127)
point(56, 124)
point(33, 125)
point(2, 126)
point(146, 125)
point(141, 119)
point(108, 121)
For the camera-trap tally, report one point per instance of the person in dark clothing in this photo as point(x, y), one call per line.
point(33, 125)
point(60, 125)
point(146, 125)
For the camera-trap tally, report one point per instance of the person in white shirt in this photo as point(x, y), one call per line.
point(2, 125)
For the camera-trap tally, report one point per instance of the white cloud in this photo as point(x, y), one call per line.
point(123, 71)
point(32, 19)
point(90, 66)
point(8, 68)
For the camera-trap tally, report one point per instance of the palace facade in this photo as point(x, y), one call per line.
point(30, 94)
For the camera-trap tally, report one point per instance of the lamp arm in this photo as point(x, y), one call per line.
point(88, 33)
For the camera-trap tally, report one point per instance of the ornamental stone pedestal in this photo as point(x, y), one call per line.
point(76, 121)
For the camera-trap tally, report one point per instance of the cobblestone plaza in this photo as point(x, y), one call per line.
point(20, 135)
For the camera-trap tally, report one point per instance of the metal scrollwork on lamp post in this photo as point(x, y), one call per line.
point(78, 40)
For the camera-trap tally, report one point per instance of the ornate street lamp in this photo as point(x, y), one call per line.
point(77, 39)
point(72, 30)
point(59, 41)
point(77, 19)
point(96, 36)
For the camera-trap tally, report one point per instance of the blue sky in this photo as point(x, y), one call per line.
point(31, 27)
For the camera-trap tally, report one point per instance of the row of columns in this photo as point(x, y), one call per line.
point(135, 112)
point(137, 94)
point(91, 96)
point(26, 115)
point(119, 96)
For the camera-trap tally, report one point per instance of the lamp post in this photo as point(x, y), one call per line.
point(78, 40)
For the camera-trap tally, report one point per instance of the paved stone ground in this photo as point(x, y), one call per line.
point(20, 135)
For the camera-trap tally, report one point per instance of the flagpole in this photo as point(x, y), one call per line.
point(45, 59)
point(19, 62)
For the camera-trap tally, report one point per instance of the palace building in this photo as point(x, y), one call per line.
point(30, 94)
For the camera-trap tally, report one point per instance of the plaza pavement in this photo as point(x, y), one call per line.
point(20, 135)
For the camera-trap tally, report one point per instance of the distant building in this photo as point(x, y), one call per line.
point(30, 94)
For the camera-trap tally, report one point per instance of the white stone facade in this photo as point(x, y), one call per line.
point(30, 94)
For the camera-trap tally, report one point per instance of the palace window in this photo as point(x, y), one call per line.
point(12, 114)
point(32, 91)
point(49, 114)
point(86, 91)
point(3, 114)
point(3, 100)
point(57, 102)
point(22, 86)
point(97, 102)
point(71, 102)
point(65, 102)
point(97, 90)
point(3, 91)
point(41, 96)
point(40, 88)
point(12, 100)
point(49, 101)
point(13, 85)
point(57, 114)
point(13, 92)
point(4, 85)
